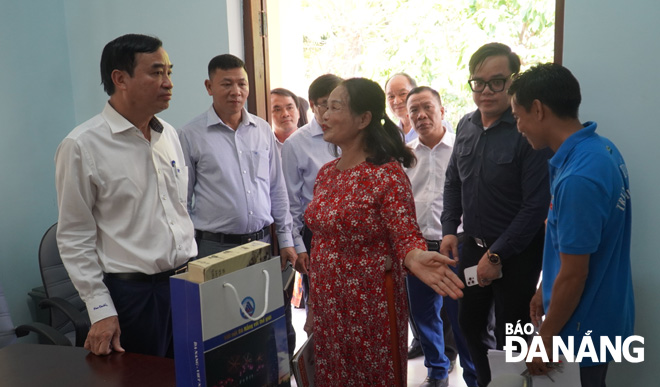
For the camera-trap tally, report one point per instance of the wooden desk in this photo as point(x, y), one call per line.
point(28, 365)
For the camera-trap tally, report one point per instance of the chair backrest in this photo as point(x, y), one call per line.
point(57, 282)
point(7, 334)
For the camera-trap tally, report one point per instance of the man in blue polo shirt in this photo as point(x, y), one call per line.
point(587, 282)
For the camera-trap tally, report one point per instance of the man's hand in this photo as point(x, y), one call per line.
point(302, 263)
point(537, 366)
point(103, 337)
point(536, 308)
point(487, 272)
point(449, 246)
point(432, 269)
point(288, 254)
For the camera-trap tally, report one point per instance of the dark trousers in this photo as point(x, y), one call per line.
point(307, 240)
point(454, 341)
point(593, 376)
point(206, 247)
point(450, 318)
point(145, 315)
point(425, 305)
point(483, 312)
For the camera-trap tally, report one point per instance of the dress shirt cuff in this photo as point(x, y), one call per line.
point(285, 240)
point(450, 228)
point(299, 244)
point(100, 307)
point(502, 248)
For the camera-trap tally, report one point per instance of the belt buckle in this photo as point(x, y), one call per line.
point(480, 242)
point(433, 245)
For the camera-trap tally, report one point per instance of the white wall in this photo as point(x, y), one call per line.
point(613, 48)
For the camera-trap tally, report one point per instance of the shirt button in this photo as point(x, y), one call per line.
point(244, 171)
point(248, 191)
point(164, 197)
point(251, 212)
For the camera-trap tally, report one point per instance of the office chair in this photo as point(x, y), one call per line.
point(8, 333)
point(68, 313)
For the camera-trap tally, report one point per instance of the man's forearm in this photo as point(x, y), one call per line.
point(566, 293)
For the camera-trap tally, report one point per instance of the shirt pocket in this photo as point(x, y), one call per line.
point(463, 160)
point(261, 164)
point(500, 167)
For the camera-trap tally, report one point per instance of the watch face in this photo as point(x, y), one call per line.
point(494, 258)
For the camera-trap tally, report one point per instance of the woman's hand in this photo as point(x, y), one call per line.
point(431, 268)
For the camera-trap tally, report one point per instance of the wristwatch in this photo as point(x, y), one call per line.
point(494, 258)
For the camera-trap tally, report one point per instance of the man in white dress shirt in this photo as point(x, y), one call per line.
point(433, 149)
point(121, 183)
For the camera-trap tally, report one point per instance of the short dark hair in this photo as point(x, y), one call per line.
point(421, 89)
point(119, 54)
point(494, 49)
point(323, 86)
point(410, 79)
point(286, 93)
point(303, 107)
point(225, 62)
point(552, 84)
point(382, 138)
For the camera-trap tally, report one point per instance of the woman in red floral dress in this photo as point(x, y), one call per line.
point(363, 220)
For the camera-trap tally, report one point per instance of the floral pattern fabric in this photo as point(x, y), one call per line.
point(359, 218)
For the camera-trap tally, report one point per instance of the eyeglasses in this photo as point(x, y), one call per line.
point(323, 105)
point(495, 84)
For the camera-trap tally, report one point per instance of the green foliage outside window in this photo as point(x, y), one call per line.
point(430, 40)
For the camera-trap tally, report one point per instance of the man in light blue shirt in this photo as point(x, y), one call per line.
point(235, 187)
point(303, 154)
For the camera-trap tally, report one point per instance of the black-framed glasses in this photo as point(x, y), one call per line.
point(496, 84)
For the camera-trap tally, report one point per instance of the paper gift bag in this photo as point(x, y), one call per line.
point(231, 331)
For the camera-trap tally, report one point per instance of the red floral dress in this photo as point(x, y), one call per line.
point(359, 217)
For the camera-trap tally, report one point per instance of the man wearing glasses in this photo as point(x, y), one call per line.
point(499, 185)
point(303, 154)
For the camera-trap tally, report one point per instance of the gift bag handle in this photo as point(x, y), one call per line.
point(238, 299)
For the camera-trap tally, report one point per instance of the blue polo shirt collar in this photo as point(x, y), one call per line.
point(571, 142)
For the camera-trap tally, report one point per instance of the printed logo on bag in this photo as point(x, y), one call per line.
point(518, 349)
point(249, 306)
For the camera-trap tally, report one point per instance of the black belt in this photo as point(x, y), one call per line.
point(433, 245)
point(141, 277)
point(235, 239)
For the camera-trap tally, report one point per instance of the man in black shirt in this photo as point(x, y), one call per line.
point(499, 185)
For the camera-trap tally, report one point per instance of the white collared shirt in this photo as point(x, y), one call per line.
point(122, 204)
point(427, 178)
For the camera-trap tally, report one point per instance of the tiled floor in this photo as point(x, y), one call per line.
point(416, 369)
